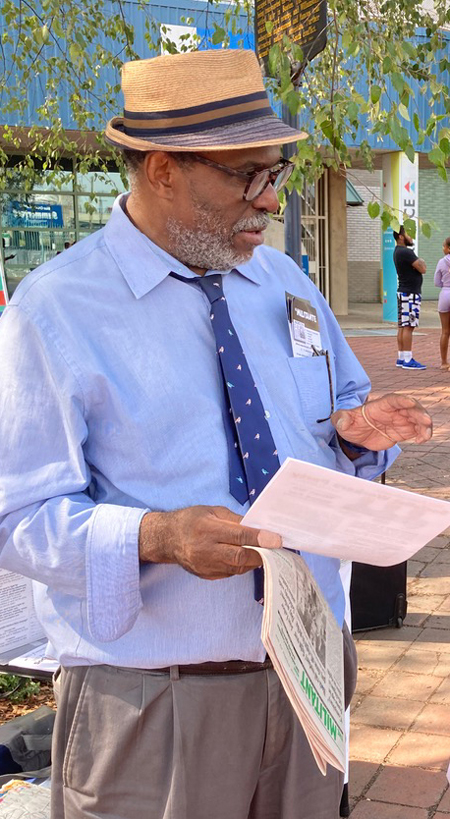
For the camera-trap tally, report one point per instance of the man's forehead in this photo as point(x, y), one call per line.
point(247, 158)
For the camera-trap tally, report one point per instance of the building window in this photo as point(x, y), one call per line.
point(37, 226)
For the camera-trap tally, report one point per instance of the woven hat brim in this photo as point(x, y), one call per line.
point(251, 134)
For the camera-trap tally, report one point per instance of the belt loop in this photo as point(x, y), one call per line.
point(174, 672)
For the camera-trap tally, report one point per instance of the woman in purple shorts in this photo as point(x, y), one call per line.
point(442, 279)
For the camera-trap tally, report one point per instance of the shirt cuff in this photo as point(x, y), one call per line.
point(369, 465)
point(112, 571)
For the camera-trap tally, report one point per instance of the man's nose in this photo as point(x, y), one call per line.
point(267, 200)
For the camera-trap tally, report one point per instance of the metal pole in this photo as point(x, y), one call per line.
point(292, 213)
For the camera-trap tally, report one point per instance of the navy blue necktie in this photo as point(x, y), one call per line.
point(252, 454)
point(253, 457)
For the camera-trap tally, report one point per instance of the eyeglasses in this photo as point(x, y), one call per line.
point(315, 352)
point(258, 181)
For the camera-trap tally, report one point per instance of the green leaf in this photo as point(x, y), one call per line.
point(442, 172)
point(353, 111)
point(57, 27)
point(293, 102)
point(375, 93)
point(373, 209)
point(444, 145)
point(396, 130)
point(416, 121)
point(269, 26)
point(420, 139)
point(346, 39)
point(385, 219)
point(436, 156)
point(37, 34)
point(297, 53)
point(327, 129)
point(426, 229)
point(398, 82)
point(410, 152)
point(403, 111)
point(395, 224)
point(410, 227)
point(45, 34)
point(74, 52)
point(274, 55)
point(410, 49)
point(218, 36)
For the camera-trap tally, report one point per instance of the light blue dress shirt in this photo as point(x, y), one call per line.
point(111, 404)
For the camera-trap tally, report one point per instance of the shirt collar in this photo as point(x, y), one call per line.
point(143, 263)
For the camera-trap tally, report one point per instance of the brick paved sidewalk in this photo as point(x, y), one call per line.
point(400, 731)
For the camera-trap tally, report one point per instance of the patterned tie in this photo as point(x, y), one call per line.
point(253, 458)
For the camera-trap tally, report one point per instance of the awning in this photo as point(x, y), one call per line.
point(353, 197)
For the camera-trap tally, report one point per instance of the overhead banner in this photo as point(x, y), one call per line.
point(303, 21)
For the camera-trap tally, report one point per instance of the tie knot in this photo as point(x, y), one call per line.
point(212, 286)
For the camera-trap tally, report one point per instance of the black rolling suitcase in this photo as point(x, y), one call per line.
point(378, 596)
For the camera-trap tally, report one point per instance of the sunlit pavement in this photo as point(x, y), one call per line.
point(400, 731)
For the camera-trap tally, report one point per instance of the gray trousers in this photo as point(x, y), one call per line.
point(132, 744)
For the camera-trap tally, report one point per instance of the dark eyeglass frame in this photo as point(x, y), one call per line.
point(276, 176)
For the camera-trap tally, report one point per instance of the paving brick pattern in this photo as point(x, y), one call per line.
point(400, 725)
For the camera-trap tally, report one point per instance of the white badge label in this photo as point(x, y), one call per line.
point(303, 327)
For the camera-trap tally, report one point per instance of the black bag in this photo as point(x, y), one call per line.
point(378, 596)
point(25, 743)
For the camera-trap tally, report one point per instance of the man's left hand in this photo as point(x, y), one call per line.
point(396, 418)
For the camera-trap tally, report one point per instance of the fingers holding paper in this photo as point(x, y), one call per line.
point(383, 422)
point(207, 541)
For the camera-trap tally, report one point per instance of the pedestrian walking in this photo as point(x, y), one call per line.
point(410, 271)
point(165, 395)
point(442, 280)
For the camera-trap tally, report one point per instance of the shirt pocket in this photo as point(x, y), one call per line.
point(315, 390)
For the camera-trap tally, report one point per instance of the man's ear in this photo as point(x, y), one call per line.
point(162, 172)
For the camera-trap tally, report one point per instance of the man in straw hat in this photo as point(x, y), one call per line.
point(155, 394)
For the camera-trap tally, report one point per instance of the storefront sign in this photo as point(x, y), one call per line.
point(303, 21)
point(400, 192)
point(409, 189)
point(38, 215)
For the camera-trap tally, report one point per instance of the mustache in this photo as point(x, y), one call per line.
point(256, 222)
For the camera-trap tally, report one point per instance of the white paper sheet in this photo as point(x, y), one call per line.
point(325, 512)
point(18, 622)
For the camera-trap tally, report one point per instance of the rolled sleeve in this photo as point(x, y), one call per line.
point(112, 571)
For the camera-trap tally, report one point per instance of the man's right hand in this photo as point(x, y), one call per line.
point(204, 540)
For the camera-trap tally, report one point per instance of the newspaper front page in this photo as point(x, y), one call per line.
point(304, 642)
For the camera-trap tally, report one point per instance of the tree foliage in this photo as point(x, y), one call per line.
point(381, 58)
point(366, 85)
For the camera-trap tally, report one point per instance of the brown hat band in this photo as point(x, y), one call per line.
point(198, 118)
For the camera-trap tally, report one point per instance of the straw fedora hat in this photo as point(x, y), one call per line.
point(210, 100)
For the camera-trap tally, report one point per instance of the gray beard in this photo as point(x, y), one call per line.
point(208, 245)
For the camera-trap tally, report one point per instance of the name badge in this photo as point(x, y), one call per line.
point(304, 327)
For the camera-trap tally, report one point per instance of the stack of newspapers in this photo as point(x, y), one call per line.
point(304, 642)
